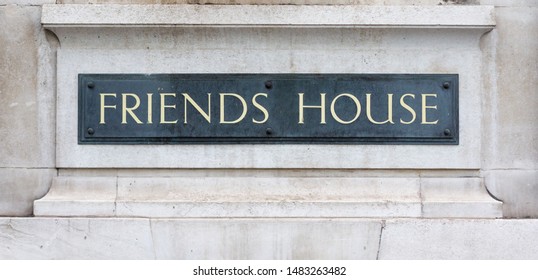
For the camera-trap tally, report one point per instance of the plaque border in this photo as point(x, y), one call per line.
point(452, 139)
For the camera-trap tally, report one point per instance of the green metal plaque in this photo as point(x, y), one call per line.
point(268, 108)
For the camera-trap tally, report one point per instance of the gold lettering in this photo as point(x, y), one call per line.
point(260, 107)
point(207, 116)
point(302, 106)
point(408, 108)
point(103, 106)
point(424, 107)
point(150, 108)
point(357, 104)
point(125, 110)
point(369, 110)
point(243, 102)
point(164, 106)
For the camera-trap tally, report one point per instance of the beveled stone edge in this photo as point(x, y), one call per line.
point(58, 203)
point(321, 16)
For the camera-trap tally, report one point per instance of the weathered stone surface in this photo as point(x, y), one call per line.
point(510, 140)
point(27, 2)
point(266, 239)
point(269, 15)
point(514, 130)
point(93, 238)
point(518, 190)
point(27, 97)
point(79, 196)
point(281, 2)
point(171, 195)
point(259, 2)
point(19, 187)
point(268, 197)
point(269, 50)
point(303, 2)
point(135, 238)
point(49, 238)
point(231, 197)
point(457, 198)
point(27, 104)
point(498, 142)
point(510, 3)
point(459, 239)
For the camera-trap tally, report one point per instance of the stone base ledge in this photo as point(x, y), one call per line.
point(142, 238)
point(255, 197)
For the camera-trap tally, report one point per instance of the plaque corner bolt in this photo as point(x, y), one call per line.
point(91, 85)
point(446, 85)
point(268, 85)
point(269, 131)
point(447, 132)
point(91, 131)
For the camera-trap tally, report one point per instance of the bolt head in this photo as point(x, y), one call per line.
point(446, 85)
point(91, 85)
point(268, 85)
point(447, 132)
point(91, 131)
point(269, 131)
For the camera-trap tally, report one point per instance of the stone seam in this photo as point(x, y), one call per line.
point(383, 224)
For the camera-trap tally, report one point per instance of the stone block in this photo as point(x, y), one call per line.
point(265, 15)
point(266, 239)
point(195, 197)
point(27, 2)
point(517, 189)
point(27, 96)
point(252, 2)
point(458, 198)
point(508, 3)
point(459, 239)
point(170, 195)
point(118, 238)
point(511, 141)
point(71, 155)
point(139, 238)
point(49, 238)
point(79, 196)
point(19, 187)
point(379, 45)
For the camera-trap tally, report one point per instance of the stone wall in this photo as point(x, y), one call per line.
point(504, 164)
point(27, 110)
point(27, 92)
point(510, 155)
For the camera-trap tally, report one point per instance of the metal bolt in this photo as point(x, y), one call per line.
point(268, 85)
point(91, 85)
point(269, 131)
point(91, 131)
point(446, 85)
point(447, 132)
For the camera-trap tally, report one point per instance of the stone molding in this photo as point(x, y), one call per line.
point(268, 16)
point(283, 197)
